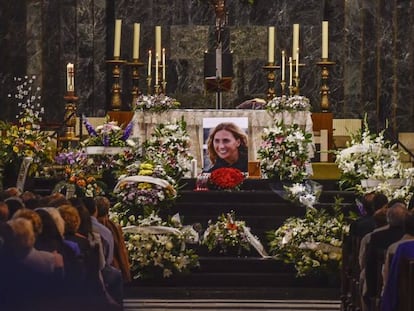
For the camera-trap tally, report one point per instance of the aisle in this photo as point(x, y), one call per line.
point(212, 304)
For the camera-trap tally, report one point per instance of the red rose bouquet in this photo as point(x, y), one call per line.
point(226, 178)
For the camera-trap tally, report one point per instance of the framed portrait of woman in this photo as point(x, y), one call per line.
point(225, 143)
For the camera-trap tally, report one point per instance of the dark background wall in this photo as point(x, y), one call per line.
point(372, 43)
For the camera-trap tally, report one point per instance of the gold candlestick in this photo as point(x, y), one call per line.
point(149, 87)
point(324, 63)
point(135, 92)
point(116, 101)
point(160, 84)
point(271, 76)
point(295, 90)
point(69, 120)
point(282, 87)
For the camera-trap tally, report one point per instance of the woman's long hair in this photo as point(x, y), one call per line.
point(237, 132)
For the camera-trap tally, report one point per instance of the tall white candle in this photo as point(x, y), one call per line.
point(70, 77)
point(271, 47)
point(117, 38)
point(290, 71)
point(135, 48)
point(163, 64)
point(295, 40)
point(149, 63)
point(158, 40)
point(297, 63)
point(283, 65)
point(156, 68)
point(325, 35)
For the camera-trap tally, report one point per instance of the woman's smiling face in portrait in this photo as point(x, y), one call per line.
point(226, 146)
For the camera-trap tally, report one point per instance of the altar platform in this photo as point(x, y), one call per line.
point(248, 276)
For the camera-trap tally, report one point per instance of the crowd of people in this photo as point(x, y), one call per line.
point(375, 240)
point(60, 254)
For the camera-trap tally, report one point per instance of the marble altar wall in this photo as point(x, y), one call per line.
point(370, 41)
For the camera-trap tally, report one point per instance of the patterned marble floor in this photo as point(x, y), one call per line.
point(212, 305)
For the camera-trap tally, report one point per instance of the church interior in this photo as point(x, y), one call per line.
point(349, 63)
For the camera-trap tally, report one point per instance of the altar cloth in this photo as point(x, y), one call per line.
point(145, 122)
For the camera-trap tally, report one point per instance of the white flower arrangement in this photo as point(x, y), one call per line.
point(169, 145)
point(285, 103)
point(370, 156)
point(283, 153)
point(25, 138)
point(306, 194)
point(313, 243)
point(157, 248)
point(156, 103)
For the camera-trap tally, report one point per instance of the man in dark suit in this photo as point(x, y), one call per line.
point(378, 244)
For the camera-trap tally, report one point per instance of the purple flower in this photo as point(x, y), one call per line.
point(89, 127)
point(128, 130)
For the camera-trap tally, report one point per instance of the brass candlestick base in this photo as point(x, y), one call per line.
point(295, 89)
point(283, 87)
point(160, 84)
point(135, 92)
point(149, 88)
point(69, 120)
point(324, 64)
point(164, 87)
point(271, 77)
point(116, 101)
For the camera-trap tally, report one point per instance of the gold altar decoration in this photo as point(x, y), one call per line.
point(116, 100)
point(324, 91)
point(135, 92)
point(69, 137)
point(270, 69)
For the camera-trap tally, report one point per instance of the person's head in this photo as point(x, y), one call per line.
point(396, 214)
point(33, 217)
point(14, 204)
point(57, 218)
point(4, 211)
point(379, 200)
point(380, 217)
point(90, 205)
point(23, 236)
point(102, 205)
point(226, 141)
point(71, 217)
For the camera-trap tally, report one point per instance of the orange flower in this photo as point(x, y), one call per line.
point(72, 179)
point(81, 182)
point(90, 179)
point(231, 226)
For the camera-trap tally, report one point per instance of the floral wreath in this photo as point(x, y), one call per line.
point(158, 247)
point(370, 156)
point(283, 153)
point(285, 103)
point(313, 243)
point(227, 234)
point(145, 187)
point(156, 103)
